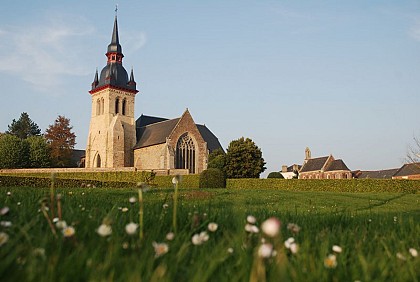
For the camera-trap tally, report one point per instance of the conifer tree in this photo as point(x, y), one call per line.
point(23, 127)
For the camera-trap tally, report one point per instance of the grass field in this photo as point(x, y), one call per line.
point(374, 230)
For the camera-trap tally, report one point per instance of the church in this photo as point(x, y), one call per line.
point(116, 139)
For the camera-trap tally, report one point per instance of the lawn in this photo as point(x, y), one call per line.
point(374, 230)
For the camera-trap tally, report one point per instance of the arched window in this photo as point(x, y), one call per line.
point(98, 107)
point(98, 160)
point(185, 153)
point(102, 105)
point(124, 102)
point(117, 105)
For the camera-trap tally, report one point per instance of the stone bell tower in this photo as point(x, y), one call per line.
point(112, 131)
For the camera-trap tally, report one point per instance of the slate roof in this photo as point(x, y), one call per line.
point(154, 130)
point(154, 134)
point(377, 174)
point(408, 169)
point(208, 136)
point(314, 164)
point(337, 165)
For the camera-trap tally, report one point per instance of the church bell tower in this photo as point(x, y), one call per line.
point(112, 131)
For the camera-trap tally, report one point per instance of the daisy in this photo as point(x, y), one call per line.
point(131, 228)
point(5, 223)
point(271, 227)
point(330, 261)
point(104, 230)
point(68, 231)
point(337, 249)
point(294, 248)
point(170, 236)
point(132, 200)
point(251, 219)
point(212, 227)
point(251, 228)
point(124, 209)
point(160, 249)
point(4, 211)
point(289, 242)
point(413, 252)
point(61, 224)
point(401, 256)
point(265, 251)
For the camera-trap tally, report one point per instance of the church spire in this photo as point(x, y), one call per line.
point(114, 46)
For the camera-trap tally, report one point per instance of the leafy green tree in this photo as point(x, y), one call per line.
point(39, 152)
point(217, 159)
point(61, 141)
point(23, 127)
point(244, 159)
point(13, 152)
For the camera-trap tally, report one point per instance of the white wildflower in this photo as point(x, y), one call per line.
point(4, 211)
point(271, 227)
point(131, 228)
point(61, 224)
point(401, 256)
point(5, 223)
point(413, 252)
point(170, 236)
point(251, 219)
point(337, 249)
point(265, 251)
point(160, 249)
point(330, 261)
point(289, 242)
point(132, 200)
point(68, 231)
point(212, 227)
point(104, 230)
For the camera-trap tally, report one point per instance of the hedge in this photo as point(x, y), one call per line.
point(332, 185)
point(187, 181)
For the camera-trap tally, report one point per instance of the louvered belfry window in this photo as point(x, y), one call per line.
point(185, 153)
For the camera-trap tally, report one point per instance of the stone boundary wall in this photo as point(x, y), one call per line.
point(64, 170)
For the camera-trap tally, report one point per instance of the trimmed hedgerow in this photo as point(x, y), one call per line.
point(187, 181)
point(332, 185)
point(212, 178)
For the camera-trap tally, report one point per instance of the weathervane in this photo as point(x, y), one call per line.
point(116, 9)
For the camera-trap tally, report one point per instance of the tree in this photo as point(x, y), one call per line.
point(275, 174)
point(23, 127)
point(244, 159)
point(413, 154)
point(13, 152)
point(39, 152)
point(61, 141)
point(217, 159)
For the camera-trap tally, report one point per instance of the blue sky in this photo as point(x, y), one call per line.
point(341, 77)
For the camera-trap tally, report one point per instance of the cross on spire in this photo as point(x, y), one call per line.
point(116, 9)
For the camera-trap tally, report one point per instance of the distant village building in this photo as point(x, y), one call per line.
point(375, 174)
point(408, 171)
point(290, 172)
point(116, 139)
point(323, 168)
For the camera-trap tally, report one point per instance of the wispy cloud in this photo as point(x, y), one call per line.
point(44, 54)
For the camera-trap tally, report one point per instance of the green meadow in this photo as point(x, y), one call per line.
point(375, 232)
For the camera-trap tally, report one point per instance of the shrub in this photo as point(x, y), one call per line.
point(212, 178)
point(275, 174)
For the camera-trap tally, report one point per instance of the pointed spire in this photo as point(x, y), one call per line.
point(95, 80)
point(132, 75)
point(115, 46)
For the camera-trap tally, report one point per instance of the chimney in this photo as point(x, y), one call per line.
point(284, 168)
